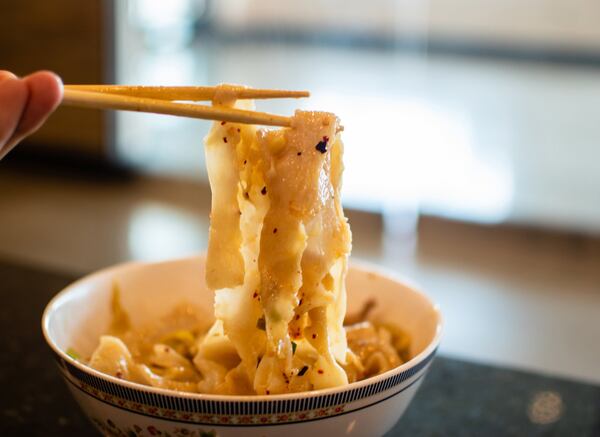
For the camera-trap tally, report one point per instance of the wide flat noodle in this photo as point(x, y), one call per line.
point(294, 242)
point(224, 263)
point(237, 304)
point(303, 236)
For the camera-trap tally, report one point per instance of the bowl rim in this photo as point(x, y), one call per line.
point(362, 265)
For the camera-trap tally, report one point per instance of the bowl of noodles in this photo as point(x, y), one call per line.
point(271, 332)
point(167, 304)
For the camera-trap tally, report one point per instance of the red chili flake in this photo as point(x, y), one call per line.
point(238, 129)
point(245, 161)
point(119, 374)
point(255, 294)
point(299, 153)
point(314, 336)
point(274, 230)
point(326, 138)
point(268, 392)
point(246, 195)
point(320, 371)
point(297, 316)
point(263, 191)
point(224, 139)
point(223, 123)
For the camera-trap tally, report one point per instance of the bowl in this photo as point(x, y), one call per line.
point(78, 315)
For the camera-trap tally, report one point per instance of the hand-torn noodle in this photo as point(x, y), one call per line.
point(277, 259)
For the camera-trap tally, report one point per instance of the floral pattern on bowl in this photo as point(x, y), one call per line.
point(109, 428)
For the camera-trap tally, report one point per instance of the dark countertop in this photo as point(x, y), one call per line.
point(456, 399)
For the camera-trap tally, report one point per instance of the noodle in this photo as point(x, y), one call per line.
point(277, 260)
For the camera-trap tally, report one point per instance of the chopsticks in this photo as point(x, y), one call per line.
point(158, 100)
point(189, 93)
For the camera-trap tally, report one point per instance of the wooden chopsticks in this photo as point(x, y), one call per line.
point(159, 100)
point(188, 93)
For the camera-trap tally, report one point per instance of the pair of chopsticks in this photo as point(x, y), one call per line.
point(161, 100)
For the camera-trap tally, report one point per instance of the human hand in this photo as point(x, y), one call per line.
point(25, 104)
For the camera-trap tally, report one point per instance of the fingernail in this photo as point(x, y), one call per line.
point(4, 75)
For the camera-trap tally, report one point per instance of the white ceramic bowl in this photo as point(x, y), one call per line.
point(79, 314)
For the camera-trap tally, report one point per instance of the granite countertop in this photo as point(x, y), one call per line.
point(456, 399)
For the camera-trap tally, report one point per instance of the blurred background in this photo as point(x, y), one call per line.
point(472, 139)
